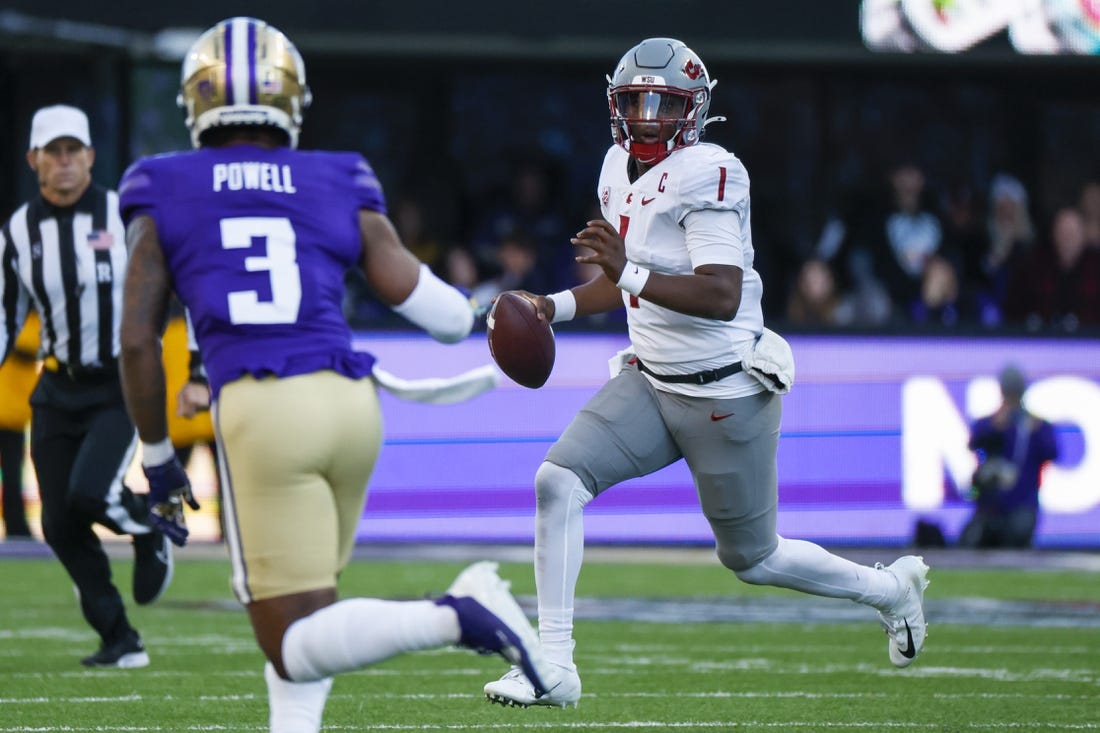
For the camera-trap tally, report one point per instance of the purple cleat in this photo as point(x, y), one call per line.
point(493, 623)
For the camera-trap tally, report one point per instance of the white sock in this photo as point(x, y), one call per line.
point(355, 633)
point(806, 567)
point(559, 551)
point(296, 707)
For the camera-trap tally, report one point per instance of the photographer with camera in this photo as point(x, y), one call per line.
point(1012, 446)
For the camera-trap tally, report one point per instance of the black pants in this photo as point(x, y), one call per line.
point(1012, 530)
point(12, 445)
point(82, 441)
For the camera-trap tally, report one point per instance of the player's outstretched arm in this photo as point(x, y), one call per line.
point(144, 313)
point(409, 286)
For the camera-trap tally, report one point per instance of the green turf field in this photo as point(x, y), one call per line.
point(1032, 664)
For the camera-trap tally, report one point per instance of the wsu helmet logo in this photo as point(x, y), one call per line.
point(692, 70)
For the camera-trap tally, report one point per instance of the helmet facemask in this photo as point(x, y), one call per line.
point(650, 121)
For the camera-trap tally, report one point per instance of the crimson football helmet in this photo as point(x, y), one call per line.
point(243, 72)
point(659, 95)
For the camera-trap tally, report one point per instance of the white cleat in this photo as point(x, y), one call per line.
point(493, 623)
point(515, 690)
point(904, 621)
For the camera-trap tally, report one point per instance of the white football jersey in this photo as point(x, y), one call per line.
point(650, 215)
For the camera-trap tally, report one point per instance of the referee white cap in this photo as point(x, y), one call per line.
point(60, 120)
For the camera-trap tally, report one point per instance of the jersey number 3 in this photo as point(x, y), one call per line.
point(280, 261)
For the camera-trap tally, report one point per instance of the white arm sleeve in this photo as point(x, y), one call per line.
point(438, 308)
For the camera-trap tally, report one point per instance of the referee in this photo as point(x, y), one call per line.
point(65, 250)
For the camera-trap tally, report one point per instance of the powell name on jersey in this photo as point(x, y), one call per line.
point(254, 283)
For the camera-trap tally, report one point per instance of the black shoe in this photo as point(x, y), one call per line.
point(129, 653)
point(152, 566)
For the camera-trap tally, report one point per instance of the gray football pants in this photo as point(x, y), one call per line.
point(631, 429)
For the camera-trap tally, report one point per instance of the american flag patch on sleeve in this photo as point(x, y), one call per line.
point(101, 239)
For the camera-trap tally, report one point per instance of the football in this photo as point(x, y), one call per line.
point(521, 344)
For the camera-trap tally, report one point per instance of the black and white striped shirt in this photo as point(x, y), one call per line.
point(71, 263)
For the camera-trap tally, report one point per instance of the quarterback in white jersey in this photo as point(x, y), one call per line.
point(675, 247)
point(691, 210)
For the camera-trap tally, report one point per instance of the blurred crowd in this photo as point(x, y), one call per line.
point(908, 256)
point(899, 256)
point(517, 239)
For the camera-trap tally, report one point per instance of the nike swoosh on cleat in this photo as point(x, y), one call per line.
point(909, 651)
point(547, 692)
point(716, 417)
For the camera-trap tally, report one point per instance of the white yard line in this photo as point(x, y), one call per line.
point(745, 725)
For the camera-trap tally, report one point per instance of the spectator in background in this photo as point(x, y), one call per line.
point(409, 220)
point(460, 269)
point(1089, 205)
point(1057, 286)
point(814, 301)
point(842, 245)
point(18, 376)
point(909, 232)
point(528, 206)
point(1009, 224)
point(1012, 446)
point(887, 239)
point(964, 234)
point(518, 268)
point(988, 262)
point(938, 303)
point(962, 221)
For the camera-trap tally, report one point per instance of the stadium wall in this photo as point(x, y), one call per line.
point(874, 438)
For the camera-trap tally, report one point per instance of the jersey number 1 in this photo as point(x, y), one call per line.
point(624, 224)
point(280, 261)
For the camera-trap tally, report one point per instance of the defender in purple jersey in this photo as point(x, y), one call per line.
point(255, 237)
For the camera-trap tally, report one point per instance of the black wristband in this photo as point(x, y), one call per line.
point(196, 372)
